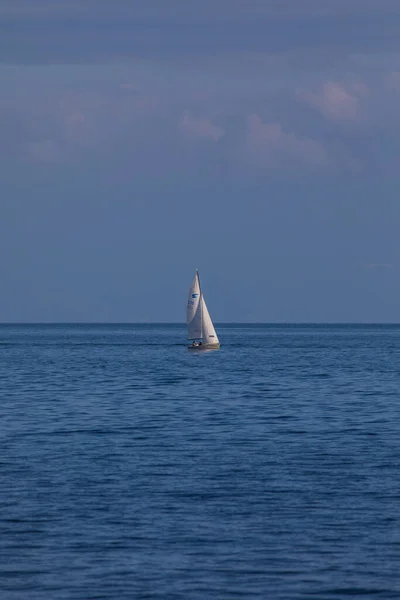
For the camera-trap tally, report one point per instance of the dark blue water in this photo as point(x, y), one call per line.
point(133, 468)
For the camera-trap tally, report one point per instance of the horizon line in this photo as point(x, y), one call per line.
point(217, 323)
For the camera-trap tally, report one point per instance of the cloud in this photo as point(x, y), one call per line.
point(200, 128)
point(270, 146)
point(80, 113)
point(335, 100)
point(61, 121)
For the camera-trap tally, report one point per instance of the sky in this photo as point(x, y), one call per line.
point(256, 140)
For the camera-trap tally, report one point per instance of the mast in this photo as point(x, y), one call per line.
point(198, 279)
point(201, 303)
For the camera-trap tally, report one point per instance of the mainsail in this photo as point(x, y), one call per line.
point(193, 313)
point(199, 323)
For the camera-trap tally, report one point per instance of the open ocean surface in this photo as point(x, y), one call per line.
point(131, 468)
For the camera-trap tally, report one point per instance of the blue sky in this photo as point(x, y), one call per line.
point(258, 141)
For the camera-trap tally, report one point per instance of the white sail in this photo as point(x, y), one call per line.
point(209, 333)
point(199, 323)
point(194, 309)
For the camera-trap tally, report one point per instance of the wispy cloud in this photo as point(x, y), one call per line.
point(335, 100)
point(79, 112)
point(270, 146)
point(200, 128)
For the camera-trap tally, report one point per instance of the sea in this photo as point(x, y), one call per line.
point(133, 468)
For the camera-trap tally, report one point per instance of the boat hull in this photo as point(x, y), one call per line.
point(204, 347)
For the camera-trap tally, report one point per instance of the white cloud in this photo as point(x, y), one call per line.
point(270, 146)
point(335, 100)
point(200, 128)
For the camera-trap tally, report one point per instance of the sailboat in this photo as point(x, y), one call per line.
point(200, 326)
